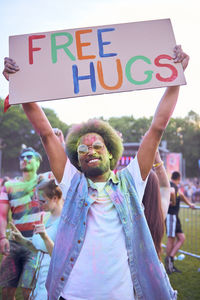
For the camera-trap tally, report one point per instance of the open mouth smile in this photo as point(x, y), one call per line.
point(92, 160)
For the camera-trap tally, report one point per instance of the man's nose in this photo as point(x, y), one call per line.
point(91, 150)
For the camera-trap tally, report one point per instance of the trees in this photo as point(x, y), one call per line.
point(182, 135)
point(132, 129)
point(16, 130)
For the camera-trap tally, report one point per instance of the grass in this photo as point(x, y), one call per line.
point(186, 283)
point(190, 221)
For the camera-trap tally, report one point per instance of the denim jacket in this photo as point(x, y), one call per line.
point(150, 281)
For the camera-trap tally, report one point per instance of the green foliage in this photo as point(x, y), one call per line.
point(132, 129)
point(16, 130)
point(182, 135)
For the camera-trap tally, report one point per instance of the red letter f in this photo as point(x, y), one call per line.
point(31, 49)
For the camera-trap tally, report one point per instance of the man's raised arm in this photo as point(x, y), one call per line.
point(54, 149)
point(151, 140)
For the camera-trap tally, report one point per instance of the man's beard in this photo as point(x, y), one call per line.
point(24, 169)
point(97, 171)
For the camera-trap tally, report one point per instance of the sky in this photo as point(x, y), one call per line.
point(32, 16)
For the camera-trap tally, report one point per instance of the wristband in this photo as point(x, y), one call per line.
point(3, 237)
point(158, 164)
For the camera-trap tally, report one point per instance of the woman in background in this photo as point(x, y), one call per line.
point(44, 236)
point(156, 201)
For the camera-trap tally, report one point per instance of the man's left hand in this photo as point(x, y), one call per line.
point(180, 56)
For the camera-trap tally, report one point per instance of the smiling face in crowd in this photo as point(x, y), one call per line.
point(95, 159)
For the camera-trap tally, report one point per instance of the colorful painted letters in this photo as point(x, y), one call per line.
point(93, 61)
point(95, 69)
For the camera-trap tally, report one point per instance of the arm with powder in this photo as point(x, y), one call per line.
point(161, 173)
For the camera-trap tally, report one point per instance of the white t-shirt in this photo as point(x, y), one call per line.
point(101, 271)
point(40, 292)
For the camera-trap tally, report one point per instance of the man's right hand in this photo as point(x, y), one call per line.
point(4, 246)
point(10, 67)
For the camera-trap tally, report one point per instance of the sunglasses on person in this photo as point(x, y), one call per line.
point(84, 149)
point(28, 157)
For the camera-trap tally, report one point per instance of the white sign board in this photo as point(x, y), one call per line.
point(93, 61)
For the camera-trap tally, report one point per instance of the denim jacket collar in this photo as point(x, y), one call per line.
point(113, 177)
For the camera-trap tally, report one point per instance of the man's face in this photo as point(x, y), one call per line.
point(28, 162)
point(95, 160)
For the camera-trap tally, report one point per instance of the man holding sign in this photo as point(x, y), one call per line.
point(103, 249)
point(94, 60)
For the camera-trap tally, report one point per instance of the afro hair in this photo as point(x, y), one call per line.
point(110, 136)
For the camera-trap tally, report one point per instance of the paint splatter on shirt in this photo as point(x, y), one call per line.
point(24, 204)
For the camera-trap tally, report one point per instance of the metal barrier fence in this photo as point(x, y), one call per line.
point(190, 221)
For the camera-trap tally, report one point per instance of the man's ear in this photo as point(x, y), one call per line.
point(55, 199)
point(110, 156)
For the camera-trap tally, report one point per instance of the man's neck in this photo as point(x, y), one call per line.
point(101, 178)
point(27, 176)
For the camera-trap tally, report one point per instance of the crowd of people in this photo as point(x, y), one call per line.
point(85, 231)
point(191, 189)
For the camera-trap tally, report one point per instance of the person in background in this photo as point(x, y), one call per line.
point(175, 235)
point(164, 184)
point(3, 181)
point(44, 235)
point(59, 134)
point(18, 263)
point(156, 201)
point(103, 233)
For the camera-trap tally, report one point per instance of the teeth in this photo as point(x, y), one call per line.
point(93, 160)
